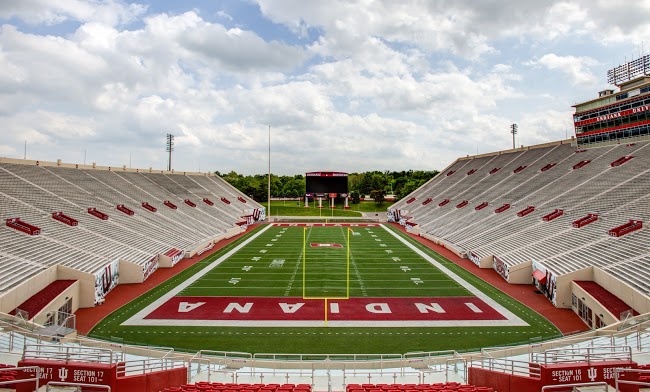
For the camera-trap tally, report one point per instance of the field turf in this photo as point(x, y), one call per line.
point(281, 262)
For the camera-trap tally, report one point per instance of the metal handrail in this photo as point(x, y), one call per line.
point(142, 366)
point(618, 381)
point(574, 386)
point(77, 385)
point(68, 353)
point(589, 354)
point(508, 366)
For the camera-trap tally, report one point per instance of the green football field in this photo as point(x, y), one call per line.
point(373, 270)
point(292, 267)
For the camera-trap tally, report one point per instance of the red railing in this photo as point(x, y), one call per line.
point(581, 164)
point(443, 203)
point(621, 160)
point(526, 211)
point(481, 206)
point(502, 208)
point(189, 203)
point(95, 212)
point(125, 209)
point(626, 228)
point(548, 166)
point(585, 220)
point(462, 204)
point(519, 169)
point(208, 201)
point(553, 215)
point(17, 224)
point(173, 252)
point(170, 204)
point(61, 217)
point(149, 207)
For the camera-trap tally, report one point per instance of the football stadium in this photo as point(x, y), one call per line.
point(519, 269)
point(522, 269)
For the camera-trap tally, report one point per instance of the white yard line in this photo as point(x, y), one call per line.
point(295, 270)
point(511, 318)
point(469, 287)
point(133, 320)
point(321, 323)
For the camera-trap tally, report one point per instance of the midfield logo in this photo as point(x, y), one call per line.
point(325, 245)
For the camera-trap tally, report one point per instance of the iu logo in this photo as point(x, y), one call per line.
point(592, 372)
point(63, 374)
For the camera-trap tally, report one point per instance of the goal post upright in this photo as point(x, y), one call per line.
point(347, 266)
point(304, 263)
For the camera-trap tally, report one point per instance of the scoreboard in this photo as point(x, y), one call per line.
point(326, 183)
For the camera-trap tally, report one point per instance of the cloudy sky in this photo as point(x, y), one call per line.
point(344, 85)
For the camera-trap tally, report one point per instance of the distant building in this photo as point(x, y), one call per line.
point(616, 116)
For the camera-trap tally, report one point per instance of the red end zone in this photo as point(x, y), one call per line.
point(298, 309)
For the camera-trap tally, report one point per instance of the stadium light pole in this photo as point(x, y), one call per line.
point(268, 213)
point(513, 130)
point(169, 148)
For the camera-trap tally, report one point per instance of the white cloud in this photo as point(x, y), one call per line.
point(50, 12)
point(344, 85)
point(576, 68)
point(224, 15)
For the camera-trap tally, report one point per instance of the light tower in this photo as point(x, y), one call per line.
point(513, 130)
point(169, 148)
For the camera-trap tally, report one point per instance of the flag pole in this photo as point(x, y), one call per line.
point(268, 213)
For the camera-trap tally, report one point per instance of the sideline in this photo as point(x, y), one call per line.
point(514, 319)
point(564, 319)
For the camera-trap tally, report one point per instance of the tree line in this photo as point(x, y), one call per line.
point(377, 184)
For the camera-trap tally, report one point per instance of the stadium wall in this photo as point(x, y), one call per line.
point(448, 245)
point(231, 232)
point(596, 307)
point(632, 297)
point(563, 285)
point(521, 273)
point(200, 247)
point(130, 272)
point(24, 291)
point(86, 297)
